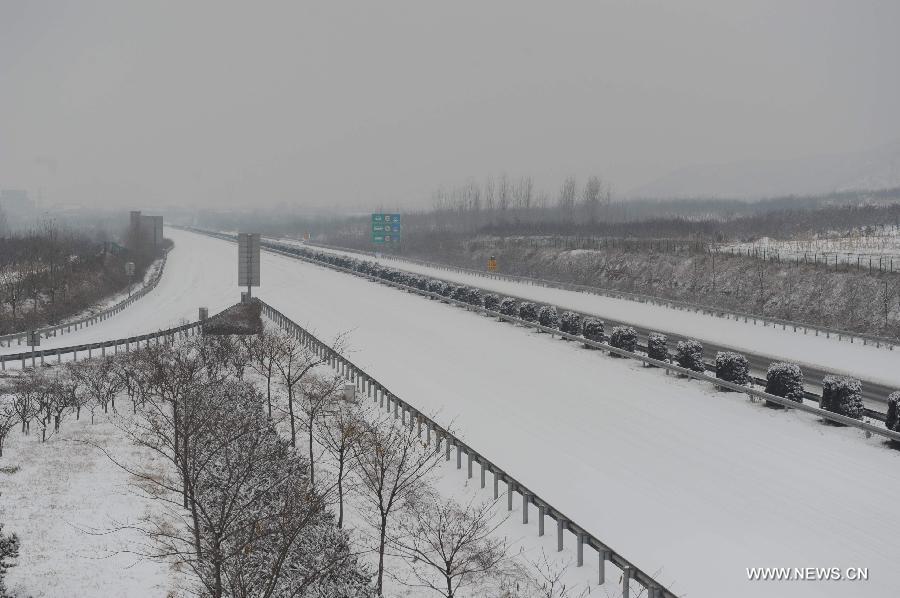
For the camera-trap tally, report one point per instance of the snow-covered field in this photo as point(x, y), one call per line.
point(843, 249)
point(853, 359)
point(67, 501)
point(686, 482)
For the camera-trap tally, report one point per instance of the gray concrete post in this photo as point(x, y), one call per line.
point(524, 508)
point(541, 512)
point(483, 469)
point(509, 492)
point(580, 549)
point(560, 528)
point(458, 455)
point(447, 448)
point(626, 578)
point(469, 456)
point(496, 485)
point(604, 556)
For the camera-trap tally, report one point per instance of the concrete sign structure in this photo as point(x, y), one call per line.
point(248, 260)
point(385, 228)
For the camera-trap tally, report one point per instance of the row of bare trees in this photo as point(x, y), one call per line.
point(272, 472)
point(48, 273)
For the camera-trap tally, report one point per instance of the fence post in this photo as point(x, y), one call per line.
point(626, 578)
point(604, 556)
point(560, 527)
point(525, 507)
point(542, 510)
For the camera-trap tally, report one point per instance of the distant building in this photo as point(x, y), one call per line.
point(146, 231)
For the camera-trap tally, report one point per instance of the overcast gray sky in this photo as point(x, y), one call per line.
point(364, 103)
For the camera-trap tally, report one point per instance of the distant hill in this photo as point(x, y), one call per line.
point(869, 170)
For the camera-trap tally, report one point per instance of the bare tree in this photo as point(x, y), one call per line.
point(294, 361)
point(8, 420)
point(341, 435)
point(567, 193)
point(264, 349)
point(391, 466)
point(318, 395)
point(448, 546)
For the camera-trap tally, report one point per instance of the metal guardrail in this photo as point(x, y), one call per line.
point(105, 314)
point(39, 357)
point(411, 416)
point(866, 339)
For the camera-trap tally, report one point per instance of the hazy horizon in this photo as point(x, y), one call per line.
point(221, 104)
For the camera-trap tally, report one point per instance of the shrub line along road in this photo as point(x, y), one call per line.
point(874, 393)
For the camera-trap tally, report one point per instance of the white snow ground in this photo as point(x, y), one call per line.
point(64, 500)
point(852, 359)
point(691, 483)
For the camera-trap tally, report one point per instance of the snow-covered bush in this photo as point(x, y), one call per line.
point(509, 307)
point(459, 293)
point(547, 317)
point(446, 289)
point(528, 311)
point(657, 346)
point(592, 330)
point(473, 297)
point(570, 323)
point(434, 286)
point(689, 355)
point(784, 380)
point(842, 395)
point(623, 337)
point(9, 551)
point(491, 302)
point(892, 421)
point(732, 367)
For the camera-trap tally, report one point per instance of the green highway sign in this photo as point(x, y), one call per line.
point(385, 228)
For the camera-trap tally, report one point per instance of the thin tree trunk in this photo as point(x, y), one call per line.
point(381, 543)
point(291, 414)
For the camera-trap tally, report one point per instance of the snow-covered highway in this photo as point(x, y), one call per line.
point(689, 483)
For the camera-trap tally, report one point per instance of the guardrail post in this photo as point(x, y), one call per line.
point(469, 457)
point(604, 556)
point(446, 447)
point(510, 486)
point(580, 561)
point(483, 469)
point(525, 499)
point(496, 484)
point(542, 511)
point(458, 454)
point(626, 578)
point(560, 528)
